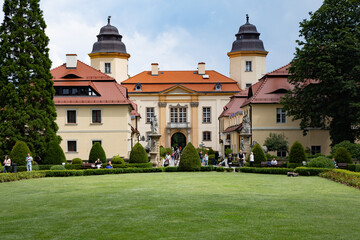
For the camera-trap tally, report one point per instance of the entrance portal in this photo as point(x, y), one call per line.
point(178, 140)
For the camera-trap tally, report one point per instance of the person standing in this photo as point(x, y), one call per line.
point(216, 158)
point(206, 159)
point(201, 157)
point(7, 164)
point(252, 160)
point(241, 158)
point(28, 160)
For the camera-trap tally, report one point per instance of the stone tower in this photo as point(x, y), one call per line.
point(109, 53)
point(247, 56)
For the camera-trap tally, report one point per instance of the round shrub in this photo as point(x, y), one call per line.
point(76, 161)
point(259, 155)
point(19, 152)
point(117, 160)
point(342, 155)
point(211, 151)
point(190, 160)
point(321, 162)
point(54, 154)
point(138, 154)
point(97, 152)
point(353, 148)
point(57, 167)
point(297, 153)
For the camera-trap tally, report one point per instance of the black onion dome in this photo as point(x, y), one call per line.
point(247, 39)
point(109, 40)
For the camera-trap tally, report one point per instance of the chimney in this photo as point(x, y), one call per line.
point(154, 69)
point(201, 68)
point(71, 61)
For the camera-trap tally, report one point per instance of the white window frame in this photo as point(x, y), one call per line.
point(207, 118)
point(101, 115)
point(67, 119)
point(67, 145)
point(178, 114)
point(280, 115)
point(248, 66)
point(203, 135)
point(149, 114)
point(107, 69)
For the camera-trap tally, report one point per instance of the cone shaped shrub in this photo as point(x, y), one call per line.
point(190, 160)
point(297, 153)
point(342, 155)
point(138, 154)
point(97, 152)
point(19, 153)
point(54, 154)
point(259, 155)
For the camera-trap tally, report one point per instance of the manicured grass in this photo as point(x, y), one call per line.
point(202, 205)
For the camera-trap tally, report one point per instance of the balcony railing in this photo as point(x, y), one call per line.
point(178, 125)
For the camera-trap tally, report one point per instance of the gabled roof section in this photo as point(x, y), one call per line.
point(178, 89)
point(82, 72)
point(190, 80)
point(233, 106)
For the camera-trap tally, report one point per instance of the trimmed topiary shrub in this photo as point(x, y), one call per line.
point(342, 155)
point(57, 167)
point(117, 160)
point(353, 148)
point(190, 160)
point(54, 154)
point(321, 162)
point(259, 155)
point(297, 153)
point(76, 161)
point(138, 154)
point(19, 153)
point(97, 152)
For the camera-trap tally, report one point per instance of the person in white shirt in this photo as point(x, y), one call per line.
point(7, 164)
point(28, 160)
point(167, 159)
point(273, 162)
point(252, 160)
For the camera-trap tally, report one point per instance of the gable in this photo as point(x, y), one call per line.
point(178, 89)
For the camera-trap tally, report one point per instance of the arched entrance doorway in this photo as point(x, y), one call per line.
point(178, 140)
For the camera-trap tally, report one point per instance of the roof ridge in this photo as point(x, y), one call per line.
point(57, 67)
point(277, 69)
point(97, 70)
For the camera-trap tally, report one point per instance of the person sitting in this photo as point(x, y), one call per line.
point(230, 159)
point(273, 162)
point(167, 160)
point(268, 163)
point(109, 165)
point(98, 163)
point(223, 162)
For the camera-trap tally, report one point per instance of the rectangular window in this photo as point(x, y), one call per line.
point(247, 85)
point(71, 146)
point(281, 153)
point(206, 136)
point(315, 149)
point(107, 67)
point(206, 115)
point(149, 114)
point(248, 66)
point(178, 115)
point(71, 116)
point(96, 116)
point(280, 115)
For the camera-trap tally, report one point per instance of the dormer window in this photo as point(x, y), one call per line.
point(138, 87)
point(218, 86)
point(107, 67)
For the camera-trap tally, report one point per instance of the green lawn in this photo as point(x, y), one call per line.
point(202, 205)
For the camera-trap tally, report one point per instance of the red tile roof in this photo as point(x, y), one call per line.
point(188, 79)
point(233, 128)
point(233, 106)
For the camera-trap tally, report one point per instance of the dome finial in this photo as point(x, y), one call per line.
point(247, 18)
point(109, 19)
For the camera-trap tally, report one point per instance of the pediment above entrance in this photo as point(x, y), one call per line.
point(178, 89)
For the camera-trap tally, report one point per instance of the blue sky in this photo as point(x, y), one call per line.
point(176, 34)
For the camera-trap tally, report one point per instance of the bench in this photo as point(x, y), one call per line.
point(88, 166)
point(342, 165)
point(279, 164)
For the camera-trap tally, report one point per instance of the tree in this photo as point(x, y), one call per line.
point(96, 152)
point(297, 153)
point(276, 142)
point(54, 154)
point(26, 87)
point(342, 155)
point(138, 154)
point(19, 152)
point(259, 155)
point(353, 148)
point(325, 71)
point(190, 160)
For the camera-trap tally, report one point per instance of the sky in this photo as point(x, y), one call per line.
point(176, 34)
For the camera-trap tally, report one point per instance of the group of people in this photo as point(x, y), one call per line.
point(174, 158)
point(272, 163)
point(99, 164)
point(228, 161)
point(7, 163)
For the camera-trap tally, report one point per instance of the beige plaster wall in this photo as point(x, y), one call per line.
point(119, 67)
point(114, 131)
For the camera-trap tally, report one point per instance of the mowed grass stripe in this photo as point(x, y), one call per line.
point(202, 205)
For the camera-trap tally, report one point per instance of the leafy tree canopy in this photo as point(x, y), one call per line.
point(329, 55)
point(276, 142)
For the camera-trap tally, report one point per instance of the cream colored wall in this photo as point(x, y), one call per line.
point(114, 131)
point(119, 67)
point(237, 69)
point(264, 122)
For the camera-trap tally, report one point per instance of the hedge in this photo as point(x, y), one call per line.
point(343, 176)
point(171, 169)
point(265, 170)
point(10, 177)
point(138, 165)
point(305, 171)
